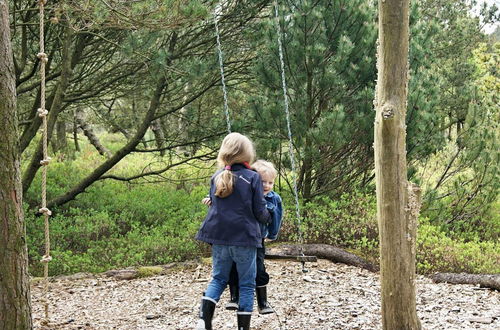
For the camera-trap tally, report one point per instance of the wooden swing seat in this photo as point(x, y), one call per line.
point(292, 257)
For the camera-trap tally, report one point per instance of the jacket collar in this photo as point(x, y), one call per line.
point(240, 166)
point(271, 194)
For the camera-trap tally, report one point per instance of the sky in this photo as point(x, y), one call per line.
point(489, 27)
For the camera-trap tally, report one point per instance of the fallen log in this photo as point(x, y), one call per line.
point(323, 251)
point(491, 281)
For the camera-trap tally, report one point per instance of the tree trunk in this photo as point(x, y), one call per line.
point(324, 251)
point(159, 136)
point(55, 109)
point(60, 143)
point(31, 130)
point(75, 132)
point(15, 303)
point(91, 136)
point(395, 218)
point(117, 156)
point(491, 281)
point(128, 148)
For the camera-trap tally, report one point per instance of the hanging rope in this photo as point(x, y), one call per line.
point(217, 10)
point(42, 112)
point(290, 140)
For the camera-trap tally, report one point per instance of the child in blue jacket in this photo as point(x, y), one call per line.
point(269, 231)
point(232, 227)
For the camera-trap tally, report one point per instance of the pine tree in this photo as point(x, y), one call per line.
point(15, 306)
point(329, 54)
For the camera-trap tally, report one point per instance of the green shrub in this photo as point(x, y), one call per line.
point(349, 222)
point(116, 225)
point(436, 252)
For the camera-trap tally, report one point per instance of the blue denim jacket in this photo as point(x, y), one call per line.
point(275, 207)
point(234, 220)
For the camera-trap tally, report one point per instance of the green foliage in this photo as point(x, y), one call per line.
point(461, 181)
point(437, 252)
point(330, 71)
point(116, 226)
point(349, 222)
point(452, 126)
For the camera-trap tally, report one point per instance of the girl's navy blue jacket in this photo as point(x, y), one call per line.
point(234, 220)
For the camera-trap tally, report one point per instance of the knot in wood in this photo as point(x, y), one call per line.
point(388, 111)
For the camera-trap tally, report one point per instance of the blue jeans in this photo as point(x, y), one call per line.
point(223, 257)
point(262, 277)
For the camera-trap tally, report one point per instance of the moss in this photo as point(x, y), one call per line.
point(149, 271)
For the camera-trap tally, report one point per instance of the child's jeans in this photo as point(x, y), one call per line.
point(222, 260)
point(262, 277)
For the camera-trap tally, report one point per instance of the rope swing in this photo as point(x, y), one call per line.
point(302, 258)
point(217, 11)
point(42, 112)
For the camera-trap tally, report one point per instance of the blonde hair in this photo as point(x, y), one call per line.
point(235, 148)
point(263, 166)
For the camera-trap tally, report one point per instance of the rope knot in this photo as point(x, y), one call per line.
point(43, 57)
point(46, 258)
point(42, 112)
point(42, 2)
point(45, 210)
point(45, 162)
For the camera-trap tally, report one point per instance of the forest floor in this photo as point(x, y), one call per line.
point(329, 296)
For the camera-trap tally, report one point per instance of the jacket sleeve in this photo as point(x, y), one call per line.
point(259, 203)
point(277, 214)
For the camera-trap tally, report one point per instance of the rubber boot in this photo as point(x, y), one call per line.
point(234, 291)
point(207, 309)
point(244, 320)
point(263, 305)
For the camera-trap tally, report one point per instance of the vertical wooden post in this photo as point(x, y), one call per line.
point(396, 225)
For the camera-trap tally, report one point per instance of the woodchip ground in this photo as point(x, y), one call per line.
point(329, 296)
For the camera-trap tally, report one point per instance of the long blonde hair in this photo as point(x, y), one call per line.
point(235, 148)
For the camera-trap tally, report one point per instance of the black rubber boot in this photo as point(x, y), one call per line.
point(207, 309)
point(263, 305)
point(244, 320)
point(234, 291)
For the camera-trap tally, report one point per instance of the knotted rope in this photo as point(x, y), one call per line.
point(42, 112)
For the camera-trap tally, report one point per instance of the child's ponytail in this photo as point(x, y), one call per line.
point(235, 148)
point(224, 184)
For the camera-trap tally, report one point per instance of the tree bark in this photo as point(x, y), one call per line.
point(159, 136)
point(15, 303)
point(31, 130)
point(75, 132)
point(491, 281)
point(91, 136)
point(396, 223)
point(55, 109)
point(128, 148)
point(324, 251)
point(119, 155)
point(61, 143)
